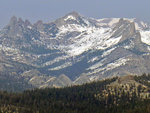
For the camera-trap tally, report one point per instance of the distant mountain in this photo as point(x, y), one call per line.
point(82, 49)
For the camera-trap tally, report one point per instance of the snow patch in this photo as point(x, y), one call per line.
point(117, 63)
point(57, 59)
point(111, 66)
point(97, 65)
point(108, 52)
point(113, 21)
point(131, 45)
point(143, 24)
point(108, 21)
point(148, 48)
point(130, 19)
point(70, 18)
point(145, 37)
point(96, 38)
point(93, 59)
point(67, 64)
point(29, 27)
point(93, 78)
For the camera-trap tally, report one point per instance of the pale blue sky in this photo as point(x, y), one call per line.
point(48, 10)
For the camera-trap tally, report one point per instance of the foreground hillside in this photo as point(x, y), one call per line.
point(128, 94)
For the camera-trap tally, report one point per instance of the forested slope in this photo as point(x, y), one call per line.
point(128, 94)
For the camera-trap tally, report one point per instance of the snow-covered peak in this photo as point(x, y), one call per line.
point(73, 45)
point(90, 38)
point(112, 21)
point(74, 14)
point(70, 17)
point(138, 24)
point(108, 21)
point(107, 33)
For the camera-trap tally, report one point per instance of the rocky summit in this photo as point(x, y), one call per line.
point(72, 50)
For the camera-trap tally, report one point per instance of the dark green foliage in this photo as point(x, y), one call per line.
point(13, 84)
point(75, 99)
point(144, 79)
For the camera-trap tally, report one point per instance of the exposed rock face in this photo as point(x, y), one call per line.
point(73, 45)
point(39, 25)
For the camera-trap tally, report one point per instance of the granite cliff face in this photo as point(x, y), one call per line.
point(73, 50)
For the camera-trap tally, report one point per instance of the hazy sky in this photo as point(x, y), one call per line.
point(48, 10)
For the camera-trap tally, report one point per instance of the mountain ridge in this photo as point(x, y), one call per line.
point(74, 45)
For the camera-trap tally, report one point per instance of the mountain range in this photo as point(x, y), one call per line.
point(72, 50)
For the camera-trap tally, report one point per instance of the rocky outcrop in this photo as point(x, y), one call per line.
point(83, 49)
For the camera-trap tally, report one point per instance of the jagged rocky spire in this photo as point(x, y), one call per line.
point(13, 20)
